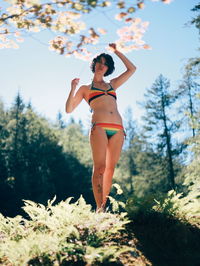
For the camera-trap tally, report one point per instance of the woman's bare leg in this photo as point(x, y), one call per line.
point(98, 142)
point(113, 152)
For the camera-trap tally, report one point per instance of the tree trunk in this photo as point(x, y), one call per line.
point(171, 175)
point(191, 109)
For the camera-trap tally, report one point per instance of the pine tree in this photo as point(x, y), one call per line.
point(60, 122)
point(128, 154)
point(193, 65)
point(3, 136)
point(158, 123)
point(16, 143)
point(196, 20)
point(187, 92)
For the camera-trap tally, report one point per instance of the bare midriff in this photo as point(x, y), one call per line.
point(105, 110)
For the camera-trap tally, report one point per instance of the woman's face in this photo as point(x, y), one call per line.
point(101, 66)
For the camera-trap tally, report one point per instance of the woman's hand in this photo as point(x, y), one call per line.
point(74, 99)
point(130, 68)
point(113, 46)
point(74, 83)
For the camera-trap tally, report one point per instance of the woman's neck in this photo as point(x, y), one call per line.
point(98, 79)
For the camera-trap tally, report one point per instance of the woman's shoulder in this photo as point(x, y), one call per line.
point(85, 87)
point(85, 90)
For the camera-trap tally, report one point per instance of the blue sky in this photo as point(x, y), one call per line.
point(43, 77)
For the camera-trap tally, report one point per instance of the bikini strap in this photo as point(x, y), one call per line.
point(111, 87)
point(91, 85)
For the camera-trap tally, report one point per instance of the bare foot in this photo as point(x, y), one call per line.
point(101, 209)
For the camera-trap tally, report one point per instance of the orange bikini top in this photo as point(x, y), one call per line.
point(95, 93)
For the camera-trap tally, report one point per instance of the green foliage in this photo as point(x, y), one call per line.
point(60, 233)
point(184, 208)
point(104, 254)
point(193, 169)
point(141, 170)
point(36, 161)
point(187, 99)
point(160, 125)
point(117, 205)
point(137, 206)
point(184, 205)
point(75, 142)
point(196, 20)
point(193, 66)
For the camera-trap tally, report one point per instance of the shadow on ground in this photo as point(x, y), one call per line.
point(166, 241)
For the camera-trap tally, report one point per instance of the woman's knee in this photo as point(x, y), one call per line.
point(99, 169)
point(110, 167)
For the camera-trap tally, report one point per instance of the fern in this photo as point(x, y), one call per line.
point(60, 232)
point(185, 208)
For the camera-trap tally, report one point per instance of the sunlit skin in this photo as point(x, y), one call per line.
point(105, 152)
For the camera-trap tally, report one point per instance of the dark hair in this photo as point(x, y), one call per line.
point(109, 63)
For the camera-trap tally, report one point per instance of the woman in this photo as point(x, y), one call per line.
point(107, 133)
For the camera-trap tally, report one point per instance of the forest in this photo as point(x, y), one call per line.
point(47, 206)
point(158, 173)
point(40, 159)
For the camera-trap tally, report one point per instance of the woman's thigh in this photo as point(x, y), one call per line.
point(114, 148)
point(98, 142)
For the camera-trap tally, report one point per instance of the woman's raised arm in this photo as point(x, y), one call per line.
point(130, 68)
point(74, 100)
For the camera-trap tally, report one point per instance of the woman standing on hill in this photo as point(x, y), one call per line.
point(107, 132)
